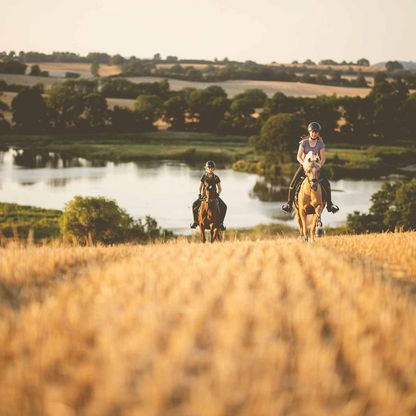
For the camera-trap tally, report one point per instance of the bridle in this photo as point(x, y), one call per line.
point(313, 183)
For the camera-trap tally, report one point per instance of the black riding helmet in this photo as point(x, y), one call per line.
point(210, 164)
point(314, 126)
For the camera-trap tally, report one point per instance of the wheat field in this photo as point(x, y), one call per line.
point(272, 327)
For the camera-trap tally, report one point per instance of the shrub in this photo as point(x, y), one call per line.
point(89, 220)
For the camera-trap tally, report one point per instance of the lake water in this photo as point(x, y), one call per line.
point(165, 190)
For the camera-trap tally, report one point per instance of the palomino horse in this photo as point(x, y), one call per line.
point(310, 199)
point(209, 214)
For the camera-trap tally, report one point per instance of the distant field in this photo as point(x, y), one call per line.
point(58, 69)
point(234, 87)
point(247, 328)
point(356, 68)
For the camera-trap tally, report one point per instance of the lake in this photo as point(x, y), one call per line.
point(164, 189)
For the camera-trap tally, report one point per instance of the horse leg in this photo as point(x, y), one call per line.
point(303, 217)
point(202, 232)
point(219, 235)
point(298, 219)
point(211, 231)
point(313, 226)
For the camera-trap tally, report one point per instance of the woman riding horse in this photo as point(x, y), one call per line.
point(315, 144)
point(209, 214)
point(209, 178)
point(310, 199)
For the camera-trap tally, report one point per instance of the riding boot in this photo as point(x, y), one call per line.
point(223, 211)
point(195, 211)
point(327, 188)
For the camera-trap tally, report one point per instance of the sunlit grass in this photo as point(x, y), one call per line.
point(249, 328)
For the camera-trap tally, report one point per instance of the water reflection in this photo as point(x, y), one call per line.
point(27, 158)
point(163, 189)
point(267, 192)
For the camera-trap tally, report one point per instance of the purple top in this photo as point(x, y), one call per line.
point(315, 149)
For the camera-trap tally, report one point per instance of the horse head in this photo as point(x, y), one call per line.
point(312, 167)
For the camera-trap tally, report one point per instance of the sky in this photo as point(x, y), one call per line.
point(260, 30)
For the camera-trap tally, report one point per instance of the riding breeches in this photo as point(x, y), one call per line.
point(293, 184)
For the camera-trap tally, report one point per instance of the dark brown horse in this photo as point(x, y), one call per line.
point(209, 214)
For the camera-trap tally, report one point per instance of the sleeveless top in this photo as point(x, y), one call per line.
point(316, 149)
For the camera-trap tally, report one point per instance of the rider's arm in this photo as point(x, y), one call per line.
point(219, 189)
point(201, 186)
point(301, 154)
point(322, 156)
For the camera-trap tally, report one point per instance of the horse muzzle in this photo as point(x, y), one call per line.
point(314, 184)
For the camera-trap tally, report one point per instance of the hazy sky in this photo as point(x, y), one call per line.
point(260, 30)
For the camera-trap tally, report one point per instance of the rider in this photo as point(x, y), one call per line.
point(212, 179)
point(315, 144)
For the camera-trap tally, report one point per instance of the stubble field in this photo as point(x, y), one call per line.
point(272, 327)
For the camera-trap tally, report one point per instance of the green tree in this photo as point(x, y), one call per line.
point(96, 109)
point(123, 119)
point(67, 101)
point(149, 108)
point(363, 62)
point(243, 106)
point(95, 68)
point(29, 109)
point(402, 212)
point(117, 60)
point(207, 107)
point(90, 220)
point(393, 207)
point(35, 70)
point(67, 104)
point(174, 112)
point(279, 137)
point(387, 100)
point(4, 125)
point(357, 113)
point(393, 66)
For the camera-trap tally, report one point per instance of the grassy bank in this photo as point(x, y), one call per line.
point(136, 146)
point(356, 162)
point(28, 223)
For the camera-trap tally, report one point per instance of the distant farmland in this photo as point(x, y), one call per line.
point(232, 87)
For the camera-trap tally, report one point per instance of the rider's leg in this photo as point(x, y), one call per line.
point(195, 210)
point(292, 189)
point(223, 211)
point(329, 205)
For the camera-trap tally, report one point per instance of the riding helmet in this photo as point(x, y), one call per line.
point(210, 164)
point(314, 126)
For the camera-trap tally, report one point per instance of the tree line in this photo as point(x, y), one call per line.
point(387, 112)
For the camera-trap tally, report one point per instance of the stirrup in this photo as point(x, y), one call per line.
point(223, 227)
point(287, 207)
point(194, 225)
